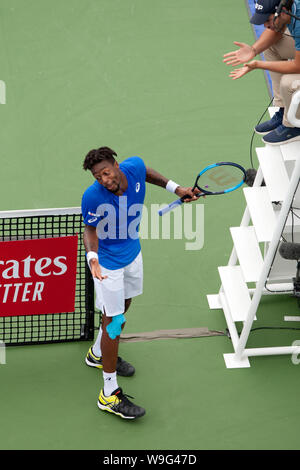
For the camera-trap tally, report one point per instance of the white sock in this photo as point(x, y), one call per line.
point(97, 346)
point(110, 383)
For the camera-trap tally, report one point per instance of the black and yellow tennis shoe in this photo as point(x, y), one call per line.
point(118, 404)
point(123, 368)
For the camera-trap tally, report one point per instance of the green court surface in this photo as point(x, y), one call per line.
point(145, 78)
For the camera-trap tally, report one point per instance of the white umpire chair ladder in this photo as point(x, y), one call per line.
point(255, 246)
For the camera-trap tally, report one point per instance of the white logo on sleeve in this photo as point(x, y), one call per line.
point(94, 218)
point(137, 187)
point(258, 6)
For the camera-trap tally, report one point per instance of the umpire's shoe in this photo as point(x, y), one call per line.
point(268, 126)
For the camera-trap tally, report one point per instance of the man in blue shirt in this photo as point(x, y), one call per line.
point(112, 210)
point(280, 43)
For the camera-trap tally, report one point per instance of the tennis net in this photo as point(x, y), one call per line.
point(57, 327)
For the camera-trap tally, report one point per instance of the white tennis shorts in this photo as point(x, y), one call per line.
point(119, 285)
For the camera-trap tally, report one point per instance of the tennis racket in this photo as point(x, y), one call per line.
point(218, 178)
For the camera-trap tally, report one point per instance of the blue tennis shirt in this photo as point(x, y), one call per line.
point(117, 218)
point(294, 25)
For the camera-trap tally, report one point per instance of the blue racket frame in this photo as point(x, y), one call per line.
point(204, 192)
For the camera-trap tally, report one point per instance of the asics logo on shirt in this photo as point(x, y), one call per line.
point(137, 187)
point(94, 218)
point(258, 6)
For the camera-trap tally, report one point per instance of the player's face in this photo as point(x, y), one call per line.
point(108, 175)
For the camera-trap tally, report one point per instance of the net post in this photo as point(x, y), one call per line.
point(2, 353)
point(89, 327)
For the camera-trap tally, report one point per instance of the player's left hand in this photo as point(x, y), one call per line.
point(192, 194)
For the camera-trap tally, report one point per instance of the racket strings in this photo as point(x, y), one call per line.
point(219, 179)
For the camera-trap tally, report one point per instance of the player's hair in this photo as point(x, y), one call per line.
point(98, 155)
point(288, 5)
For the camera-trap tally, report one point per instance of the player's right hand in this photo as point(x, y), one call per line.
point(96, 270)
point(240, 56)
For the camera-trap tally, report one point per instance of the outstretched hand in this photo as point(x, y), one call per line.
point(240, 56)
point(238, 73)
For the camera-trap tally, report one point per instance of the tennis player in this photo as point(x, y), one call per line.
point(109, 208)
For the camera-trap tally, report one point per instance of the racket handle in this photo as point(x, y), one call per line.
point(170, 207)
